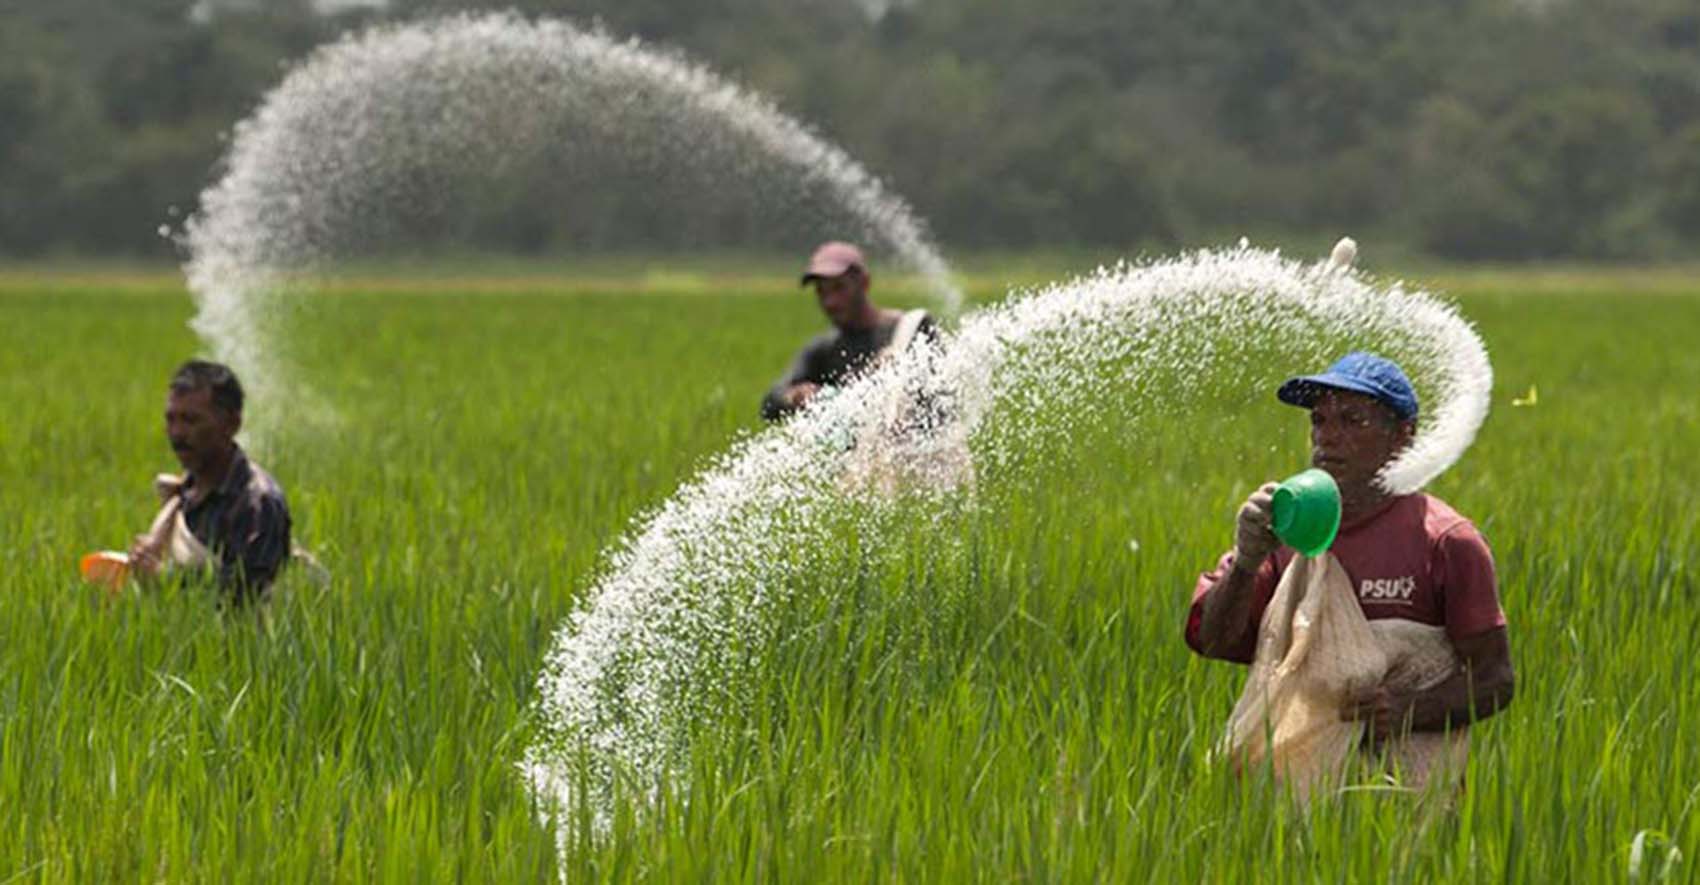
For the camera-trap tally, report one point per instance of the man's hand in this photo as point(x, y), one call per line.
point(1254, 539)
point(1382, 713)
point(798, 395)
point(144, 559)
point(1480, 688)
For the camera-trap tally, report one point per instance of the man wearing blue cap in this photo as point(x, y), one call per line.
point(1408, 556)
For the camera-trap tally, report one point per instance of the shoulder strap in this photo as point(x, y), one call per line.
point(906, 329)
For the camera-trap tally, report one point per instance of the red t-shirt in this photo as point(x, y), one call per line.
point(1416, 559)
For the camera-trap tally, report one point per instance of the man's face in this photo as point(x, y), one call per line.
point(841, 297)
point(1352, 436)
point(199, 431)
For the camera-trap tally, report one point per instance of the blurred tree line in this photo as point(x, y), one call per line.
point(1470, 129)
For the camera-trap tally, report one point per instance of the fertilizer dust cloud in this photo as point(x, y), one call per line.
point(404, 139)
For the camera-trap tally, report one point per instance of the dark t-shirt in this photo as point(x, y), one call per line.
point(245, 523)
point(835, 358)
point(1417, 559)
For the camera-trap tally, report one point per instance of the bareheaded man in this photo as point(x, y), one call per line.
point(862, 332)
point(224, 515)
point(1408, 556)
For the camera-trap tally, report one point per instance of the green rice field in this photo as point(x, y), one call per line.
point(1026, 713)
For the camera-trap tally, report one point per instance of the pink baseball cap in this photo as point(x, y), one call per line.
point(834, 259)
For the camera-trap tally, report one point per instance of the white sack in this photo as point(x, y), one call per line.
point(1316, 652)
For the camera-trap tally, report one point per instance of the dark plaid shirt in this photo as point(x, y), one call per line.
point(834, 358)
point(245, 523)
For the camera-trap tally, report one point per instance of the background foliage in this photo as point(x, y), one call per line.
point(1469, 129)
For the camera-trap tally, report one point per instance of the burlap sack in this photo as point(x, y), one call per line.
point(179, 547)
point(169, 534)
point(1316, 652)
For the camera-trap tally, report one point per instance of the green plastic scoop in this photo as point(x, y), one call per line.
point(1307, 511)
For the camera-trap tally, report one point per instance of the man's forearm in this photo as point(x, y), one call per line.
point(1226, 614)
point(1465, 698)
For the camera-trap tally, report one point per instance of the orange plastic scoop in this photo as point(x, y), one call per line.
point(108, 568)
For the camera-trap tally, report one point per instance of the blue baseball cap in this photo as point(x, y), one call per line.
point(1358, 372)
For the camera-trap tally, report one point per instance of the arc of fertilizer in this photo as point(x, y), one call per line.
point(702, 574)
point(366, 129)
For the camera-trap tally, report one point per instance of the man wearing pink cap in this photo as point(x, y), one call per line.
point(862, 331)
